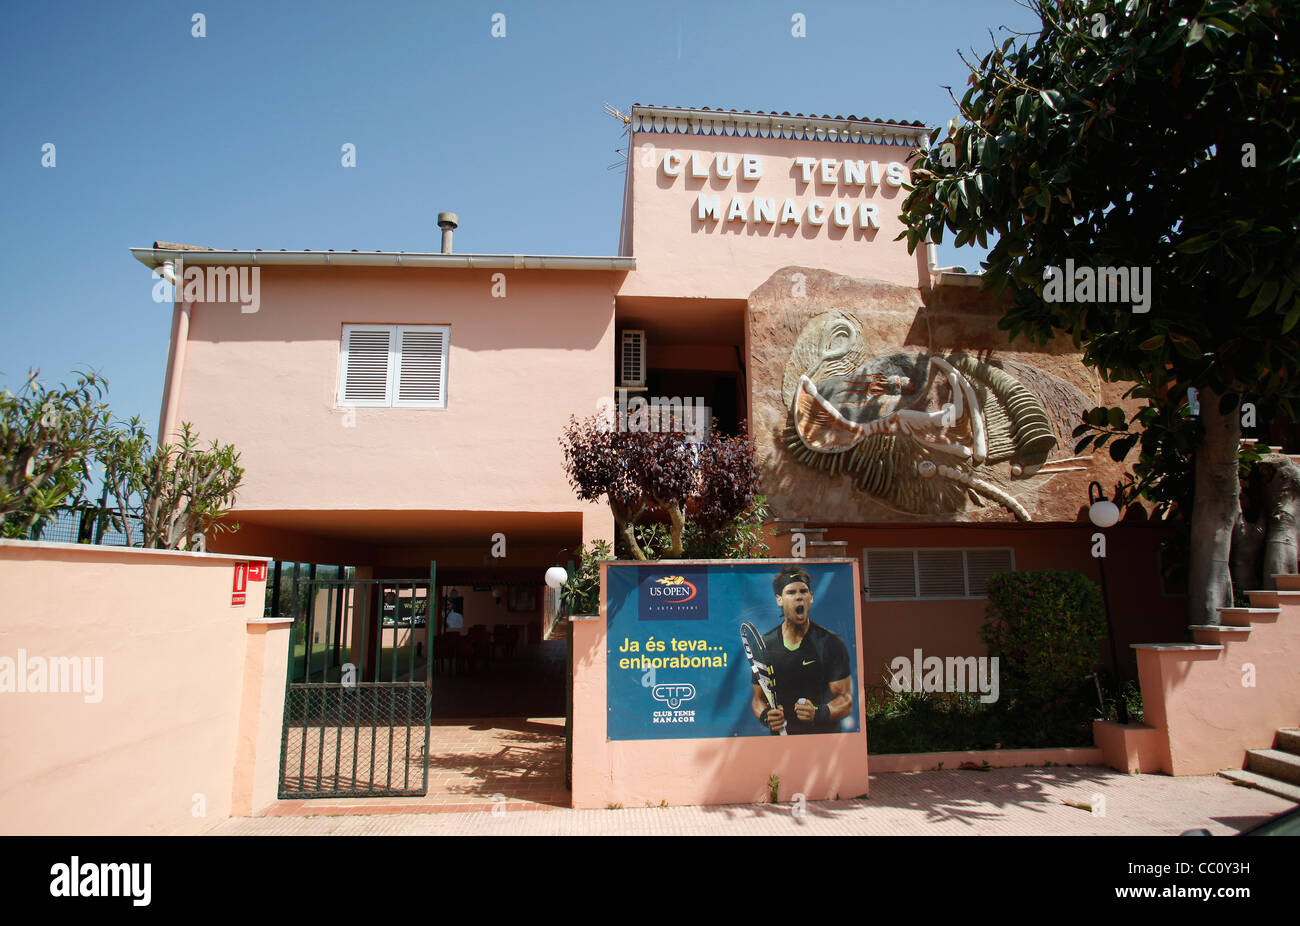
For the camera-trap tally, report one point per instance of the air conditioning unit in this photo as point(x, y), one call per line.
point(631, 365)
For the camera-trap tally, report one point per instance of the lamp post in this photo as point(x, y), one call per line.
point(556, 576)
point(1103, 514)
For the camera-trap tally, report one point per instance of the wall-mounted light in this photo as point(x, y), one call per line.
point(1101, 512)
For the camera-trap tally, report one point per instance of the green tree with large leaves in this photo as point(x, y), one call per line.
point(1157, 135)
point(48, 436)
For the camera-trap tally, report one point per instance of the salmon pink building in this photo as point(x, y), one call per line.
point(400, 409)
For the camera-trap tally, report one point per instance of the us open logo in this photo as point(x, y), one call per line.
point(674, 595)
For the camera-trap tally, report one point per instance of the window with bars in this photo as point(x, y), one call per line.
point(932, 572)
point(394, 366)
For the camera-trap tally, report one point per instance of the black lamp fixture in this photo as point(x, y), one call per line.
point(1104, 513)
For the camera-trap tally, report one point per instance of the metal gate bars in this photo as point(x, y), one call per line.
point(357, 699)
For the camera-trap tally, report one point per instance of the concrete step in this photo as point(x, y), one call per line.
point(786, 525)
point(1287, 583)
point(1218, 633)
point(808, 532)
point(1241, 617)
point(1272, 598)
point(1275, 763)
point(1262, 783)
point(1177, 647)
point(1288, 741)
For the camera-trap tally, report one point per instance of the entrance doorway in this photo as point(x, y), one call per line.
point(357, 696)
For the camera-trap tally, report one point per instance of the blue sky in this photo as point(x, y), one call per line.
point(233, 140)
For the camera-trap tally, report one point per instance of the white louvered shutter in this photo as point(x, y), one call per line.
point(890, 574)
point(983, 563)
point(940, 574)
point(421, 378)
point(366, 371)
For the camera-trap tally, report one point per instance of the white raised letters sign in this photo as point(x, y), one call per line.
point(765, 210)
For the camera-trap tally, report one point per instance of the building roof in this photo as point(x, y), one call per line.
point(705, 121)
point(195, 255)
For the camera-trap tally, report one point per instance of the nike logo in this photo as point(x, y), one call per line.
point(809, 662)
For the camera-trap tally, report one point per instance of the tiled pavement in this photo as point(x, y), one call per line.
point(515, 765)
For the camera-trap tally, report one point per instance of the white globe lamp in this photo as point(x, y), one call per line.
point(1101, 512)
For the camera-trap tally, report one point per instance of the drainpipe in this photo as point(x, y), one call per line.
point(932, 262)
point(171, 401)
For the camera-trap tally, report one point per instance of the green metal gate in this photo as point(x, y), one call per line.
point(358, 695)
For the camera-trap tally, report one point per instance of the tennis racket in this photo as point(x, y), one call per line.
point(756, 653)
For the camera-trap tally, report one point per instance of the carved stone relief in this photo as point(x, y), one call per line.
point(921, 431)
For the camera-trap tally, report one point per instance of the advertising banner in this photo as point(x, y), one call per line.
point(721, 649)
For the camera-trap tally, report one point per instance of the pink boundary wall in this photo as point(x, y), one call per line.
point(994, 758)
point(732, 770)
point(1201, 714)
point(187, 732)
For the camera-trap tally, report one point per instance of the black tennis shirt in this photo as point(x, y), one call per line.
point(806, 672)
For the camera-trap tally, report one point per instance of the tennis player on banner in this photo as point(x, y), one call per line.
point(807, 685)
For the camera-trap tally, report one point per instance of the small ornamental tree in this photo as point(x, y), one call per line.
point(702, 488)
point(1046, 628)
point(183, 491)
point(47, 436)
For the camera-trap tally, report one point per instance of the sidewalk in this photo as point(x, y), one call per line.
point(1001, 802)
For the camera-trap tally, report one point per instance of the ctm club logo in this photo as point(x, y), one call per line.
point(673, 695)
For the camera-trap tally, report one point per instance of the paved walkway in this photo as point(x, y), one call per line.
point(1002, 802)
point(517, 762)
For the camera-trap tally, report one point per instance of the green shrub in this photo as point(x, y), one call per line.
point(911, 721)
point(1046, 628)
point(581, 594)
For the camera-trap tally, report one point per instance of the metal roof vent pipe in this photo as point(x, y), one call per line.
point(448, 222)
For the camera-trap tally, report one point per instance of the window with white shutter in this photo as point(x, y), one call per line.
point(932, 573)
point(366, 371)
point(394, 365)
point(421, 367)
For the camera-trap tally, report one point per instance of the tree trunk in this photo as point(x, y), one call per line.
point(1281, 505)
point(628, 530)
point(1214, 512)
point(678, 527)
point(1247, 551)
